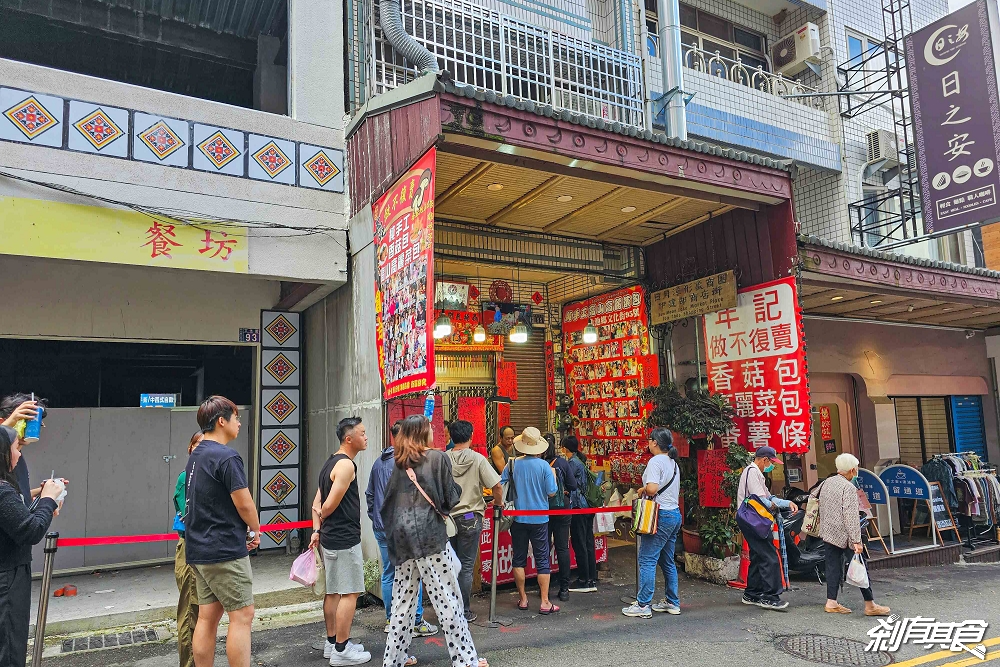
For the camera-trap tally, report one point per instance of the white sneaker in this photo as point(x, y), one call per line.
point(664, 606)
point(350, 656)
point(425, 629)
point(638, 611)
point(329, 648)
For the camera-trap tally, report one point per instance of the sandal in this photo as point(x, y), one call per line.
point(523, 607)
point(839, 609)
point(410, 661)
point(551, 610)
point(483, 663)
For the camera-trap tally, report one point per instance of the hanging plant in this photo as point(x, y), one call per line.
point(699, 413)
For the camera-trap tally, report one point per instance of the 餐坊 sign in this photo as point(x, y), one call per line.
point(705, 295)
point(956, 118)
point(404, 280)
point(756, 359)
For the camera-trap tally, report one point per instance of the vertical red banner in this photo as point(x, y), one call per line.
point(404, 280)
point(550, 376)
point(825, 423)
point(756, 359)
point(473, 410)
point(711, 466)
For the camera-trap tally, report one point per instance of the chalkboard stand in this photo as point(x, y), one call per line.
point(930, 518)
point(952, 526)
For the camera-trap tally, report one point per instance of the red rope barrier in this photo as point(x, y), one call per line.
point(594, 510)
point(162, 537)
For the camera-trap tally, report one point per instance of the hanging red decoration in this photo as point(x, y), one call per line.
point(537, 298)
point(473, 292)
point(503, 415)
point(473, 409)
point(501, 291)
point(507, 380)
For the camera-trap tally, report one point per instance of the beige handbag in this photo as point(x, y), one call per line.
point(811, 523)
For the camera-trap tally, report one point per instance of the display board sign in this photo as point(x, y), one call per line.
point(873, 487)
point(606, 377)
point(755, 355)
point(157, 400)
point(404, 280)
point(905, 482)
point(711, 467)
point(943, 520)
point(956, 118)
point(705, 295)
point(505, 555)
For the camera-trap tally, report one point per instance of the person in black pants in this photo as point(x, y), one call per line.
point(20, 529)
point(559, 525)
point(582, 525)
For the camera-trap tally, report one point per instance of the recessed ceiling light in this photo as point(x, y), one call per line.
point(873, 301)
point(493, 187)
point(628, 209)
point(978, 312)
point(562, 199)
point(836, 298)
point(946, 309)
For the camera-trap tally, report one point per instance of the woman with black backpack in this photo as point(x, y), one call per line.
point(582, 525)
point(559, 525)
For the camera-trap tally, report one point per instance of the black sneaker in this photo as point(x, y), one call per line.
point(778, 605)
point(580, 586)
point(749, 600)
point(470, 616)
point(563, 594)
point(592, 586)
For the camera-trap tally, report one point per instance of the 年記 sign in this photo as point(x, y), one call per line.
point(705, 295)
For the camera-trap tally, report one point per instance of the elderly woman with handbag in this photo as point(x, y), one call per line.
point(659, 532)
point(840, 529)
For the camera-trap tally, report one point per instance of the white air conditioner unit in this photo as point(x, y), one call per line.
point(795, 52)
point(882, 147)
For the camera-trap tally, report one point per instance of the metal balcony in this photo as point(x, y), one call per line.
point(753, 77)
point(483, 48)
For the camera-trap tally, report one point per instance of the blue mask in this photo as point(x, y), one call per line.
point(769, 468)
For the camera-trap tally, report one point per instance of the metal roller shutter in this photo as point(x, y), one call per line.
point(908, 428)
point(529, 409)
point(967, 419)
point(922, 425)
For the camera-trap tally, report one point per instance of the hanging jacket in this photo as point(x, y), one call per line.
point(936, 470)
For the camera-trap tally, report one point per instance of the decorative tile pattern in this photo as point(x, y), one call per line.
point(273, 540)
point(30, 118)
point(97, 129)
point(280, 407)
point(161, 139)
point(280, 446)
point(278, 535)
point(270, 159)
point(279, 487)
point(281, 368)
point(321, 168)
point(218, 150)
point(281, 330)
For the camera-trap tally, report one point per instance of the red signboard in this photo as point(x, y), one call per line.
point(505, 555)
point(507, 380)
point(463, 329)
point(400, 408)
point(550, 376)
point(711, 466)
point(404, 281)
point(473, 409)
point(756, 359)
point(605, 377)
point(825, 423)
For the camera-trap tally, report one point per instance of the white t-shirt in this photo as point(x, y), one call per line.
point(659, 470)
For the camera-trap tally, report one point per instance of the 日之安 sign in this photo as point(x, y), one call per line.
point(705, 295)
point(956, 117)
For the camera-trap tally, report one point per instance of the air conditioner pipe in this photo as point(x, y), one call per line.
point(391, 18)
point(674, 113)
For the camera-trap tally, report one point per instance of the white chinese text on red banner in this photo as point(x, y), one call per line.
point(404, 280)
point(756, 359)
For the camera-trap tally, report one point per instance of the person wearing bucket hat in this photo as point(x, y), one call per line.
point(766, 576)
point(531, 482)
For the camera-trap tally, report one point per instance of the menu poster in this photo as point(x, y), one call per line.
point(605, 378)
point(711, 467)
point(404, 280)
point(756, 359)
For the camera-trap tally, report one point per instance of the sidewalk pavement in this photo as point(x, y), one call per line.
point(108, 598)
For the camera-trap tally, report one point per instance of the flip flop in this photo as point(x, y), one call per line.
point(839, 609)
point(410, 661)
point(551, 610)
point(522, 607)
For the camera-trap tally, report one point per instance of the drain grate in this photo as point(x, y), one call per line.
point(109, 641)
point(832, 651)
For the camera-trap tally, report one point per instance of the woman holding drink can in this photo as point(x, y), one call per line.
point(20, 529)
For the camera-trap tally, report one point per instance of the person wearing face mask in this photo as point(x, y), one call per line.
point(840, 530)
point(662, 483)
point(765, 578)
point(20, 529)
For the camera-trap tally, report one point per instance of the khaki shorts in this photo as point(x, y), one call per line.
point(229, 582)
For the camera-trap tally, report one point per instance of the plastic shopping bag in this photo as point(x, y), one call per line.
point(604, 523)
point(319, 588)
point(304, 569)
point(857, 573)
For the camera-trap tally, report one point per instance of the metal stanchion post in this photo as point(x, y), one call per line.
point(626, 599)
point(495, 527)
point(51, 544)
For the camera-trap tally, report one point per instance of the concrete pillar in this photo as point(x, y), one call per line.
point(316, 62)
point(270, 81)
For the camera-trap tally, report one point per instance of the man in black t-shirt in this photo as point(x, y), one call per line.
point(337, 527)
point(217, 515)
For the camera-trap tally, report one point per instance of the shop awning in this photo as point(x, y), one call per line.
point(507, 163)
point(845, 281)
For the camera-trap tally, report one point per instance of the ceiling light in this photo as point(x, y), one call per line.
point(589, 334)
point(562, 199)
point(945, 310)
point(494, 187)
point(628, 209)
point(836, 298)
point(519, 334)
point(909, 308)
point(874, 301)
point(479, 334)
point(442, 327)
point(978, 312)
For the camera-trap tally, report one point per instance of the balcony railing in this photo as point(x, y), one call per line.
point(757, 78)
point(483, 48)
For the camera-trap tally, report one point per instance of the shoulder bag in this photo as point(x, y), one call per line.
point(510, 495)
point(449, 523)
point(646, 511)
point(753, 516)
point(811, 523)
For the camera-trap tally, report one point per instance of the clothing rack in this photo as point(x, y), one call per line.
point(969, 466)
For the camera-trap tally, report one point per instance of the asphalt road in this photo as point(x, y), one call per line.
point(714, 629)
